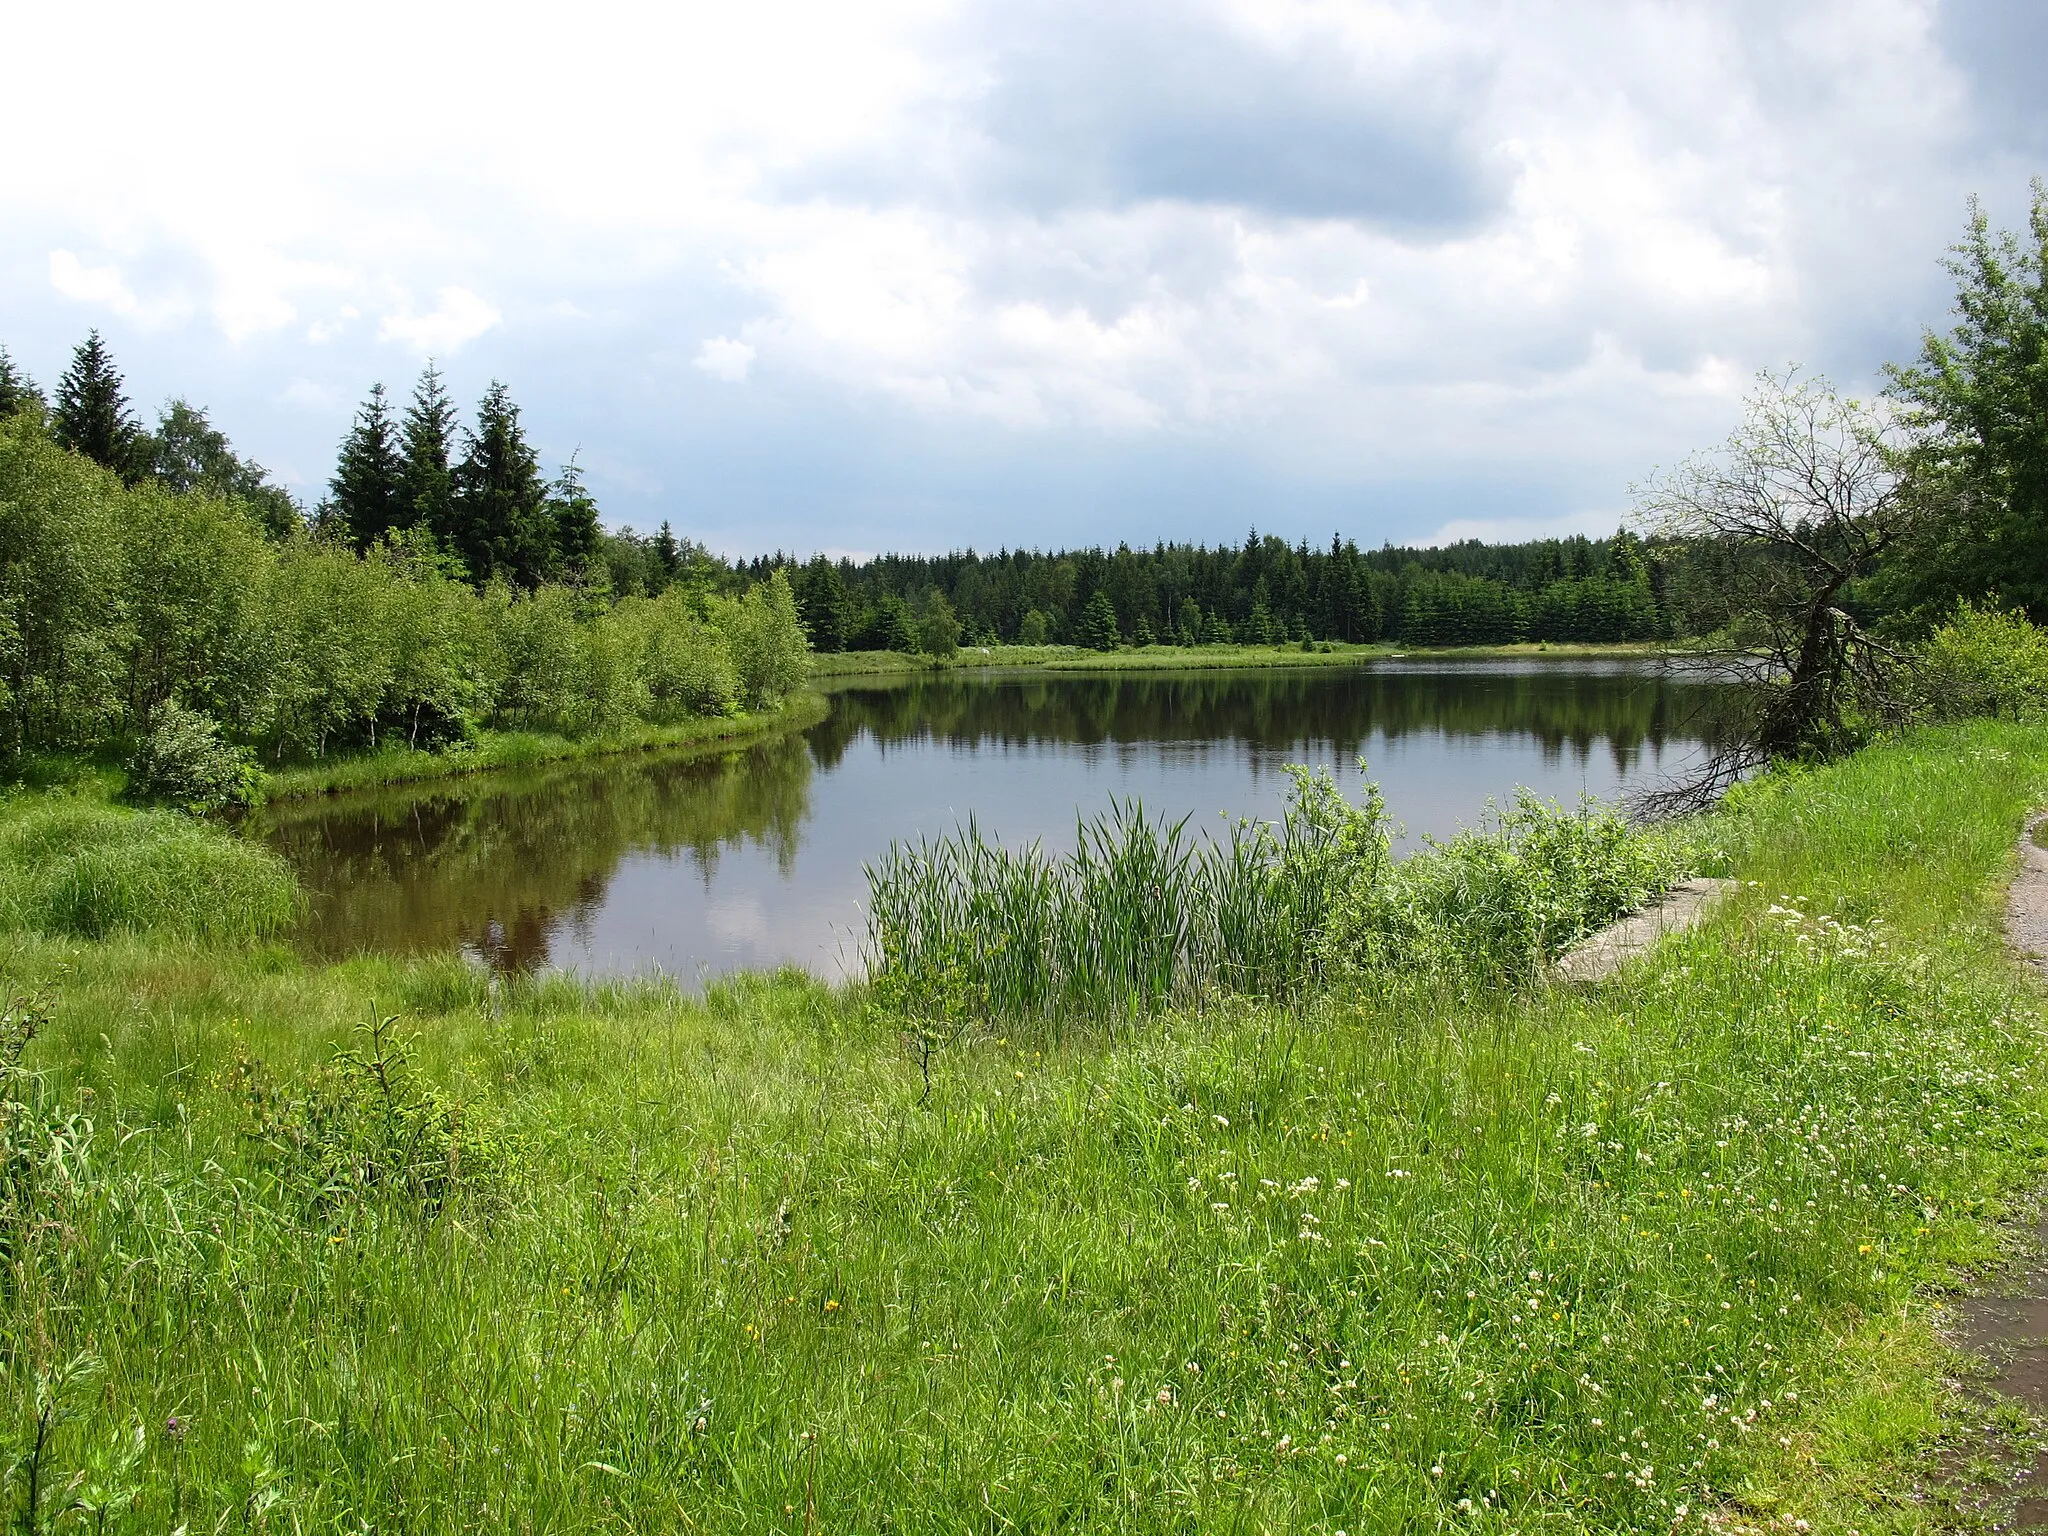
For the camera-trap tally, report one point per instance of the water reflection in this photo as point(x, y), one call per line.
point(754, 858)
point(1580, 707)
point(503, 864)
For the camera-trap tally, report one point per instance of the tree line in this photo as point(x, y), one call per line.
point(476, 494)
point(1264, 592)
point(155, 587)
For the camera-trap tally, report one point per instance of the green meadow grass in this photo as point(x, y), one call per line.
point(554, 1257)
point(73, 865)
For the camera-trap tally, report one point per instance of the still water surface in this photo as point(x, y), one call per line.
point(755, 858)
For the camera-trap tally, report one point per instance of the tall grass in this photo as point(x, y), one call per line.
point(74, 867)
point(1142, 916)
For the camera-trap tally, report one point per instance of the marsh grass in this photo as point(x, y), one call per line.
point(1428, 1258)
point(76, 866)
point(1142, 915)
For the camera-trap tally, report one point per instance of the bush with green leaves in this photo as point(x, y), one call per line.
point(1498, 902)
point(1983, 663)
point(183, 761)
point(368, 1128)
point(116, 599)
point(683, 659)
point(766, 639)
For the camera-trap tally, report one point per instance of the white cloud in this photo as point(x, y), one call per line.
point(320, 332)
point(724, 358)
point(312, 396)
point(106, 288)
point(1514, 530)
point(460, 317)
point(1411, 243)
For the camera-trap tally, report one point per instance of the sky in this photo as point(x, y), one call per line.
point(921, 275)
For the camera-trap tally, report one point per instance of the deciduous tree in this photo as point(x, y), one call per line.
point(1804, 499)
point(188, 453)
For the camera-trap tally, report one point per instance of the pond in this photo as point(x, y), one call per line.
point(755, 858)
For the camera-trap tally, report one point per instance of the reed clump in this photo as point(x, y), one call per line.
point(1142, 915)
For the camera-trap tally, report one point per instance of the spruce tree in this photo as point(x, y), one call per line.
point(427, 446)
point(1978, 397)
point(369, 484)
point(572, 511)
point(18, 391)
point(821, 600)
point(668, 560)
point(502, 527)
point(92, 415)
point(895, 626)
point(1098, 630)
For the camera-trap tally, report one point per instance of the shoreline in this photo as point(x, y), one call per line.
point(500, 750)
point(834, 665)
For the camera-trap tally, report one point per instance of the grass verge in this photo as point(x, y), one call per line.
point(1647, 1256)
point(522, 749)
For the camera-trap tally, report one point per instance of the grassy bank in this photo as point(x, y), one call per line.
point(524, 749)
point(1074, 658)
point(616, 1258)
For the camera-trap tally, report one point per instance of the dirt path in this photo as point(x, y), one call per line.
point(2026, 903)
point(2007, 1327)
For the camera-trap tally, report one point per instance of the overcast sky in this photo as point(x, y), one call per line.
point(910, 274)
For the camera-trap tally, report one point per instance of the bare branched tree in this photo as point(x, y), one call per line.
point(1800, 503)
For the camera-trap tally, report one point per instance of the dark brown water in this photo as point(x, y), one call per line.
point(755, 858)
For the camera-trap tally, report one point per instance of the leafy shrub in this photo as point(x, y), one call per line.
point(1982, 662)
point(1499, 902)
point(366, 1128)
point(938, 627)
point(183, 761)
point(684, 660)
point(71, 867)
point(766, 639)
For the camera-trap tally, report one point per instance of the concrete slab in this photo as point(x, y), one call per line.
point(1682, 907)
